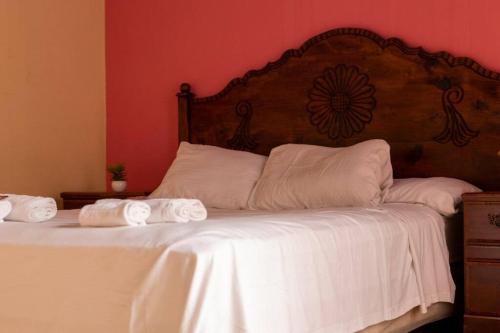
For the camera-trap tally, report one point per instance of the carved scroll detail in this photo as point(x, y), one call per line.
point(341, 101)
point(456, 129)
point(242, 139)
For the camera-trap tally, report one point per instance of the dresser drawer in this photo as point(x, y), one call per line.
point(482, 222)
point(479, 324)
point(480, 252)
point(482, 288)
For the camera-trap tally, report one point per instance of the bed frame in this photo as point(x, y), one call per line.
point(440, 114)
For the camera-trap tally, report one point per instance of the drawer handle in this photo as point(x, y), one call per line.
point(494, 219)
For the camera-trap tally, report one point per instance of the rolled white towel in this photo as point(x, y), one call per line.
point(114, 214)
point(26, 208)
point(5, 209)
point(176, 210)
point(171, 210)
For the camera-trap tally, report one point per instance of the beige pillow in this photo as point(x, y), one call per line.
point(440, 193)
point(304, 176)
point(219, 177)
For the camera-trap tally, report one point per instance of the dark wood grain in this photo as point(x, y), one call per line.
point(482, 262)
point(184, 98)
point(482, 293)
point(440, 114)
point(479, 226)
point(76, 200)
point(481, 324)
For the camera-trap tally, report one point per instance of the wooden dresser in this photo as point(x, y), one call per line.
point(75, 200)
point(482, 262)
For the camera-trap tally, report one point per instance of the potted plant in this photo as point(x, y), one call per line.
point(118, 177)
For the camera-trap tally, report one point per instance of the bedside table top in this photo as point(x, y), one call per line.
point(482, 196)
point(102, 195)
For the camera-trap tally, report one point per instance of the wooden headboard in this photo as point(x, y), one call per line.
point(440, 114)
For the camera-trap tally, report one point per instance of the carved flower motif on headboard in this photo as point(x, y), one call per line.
point(341, 101)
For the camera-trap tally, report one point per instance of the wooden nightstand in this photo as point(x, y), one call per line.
point(482, 262)
point(74, 200)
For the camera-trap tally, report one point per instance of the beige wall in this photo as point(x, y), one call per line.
point(52, 96)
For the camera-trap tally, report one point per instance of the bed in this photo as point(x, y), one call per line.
point(238, 271)
point(324, 270)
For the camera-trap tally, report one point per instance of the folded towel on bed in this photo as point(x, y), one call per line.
point(172, 210)
point(27, 208)
point(114, 214)
point(5, 209)
point(176, 210)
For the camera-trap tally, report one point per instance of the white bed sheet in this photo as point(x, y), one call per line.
point(328, 270)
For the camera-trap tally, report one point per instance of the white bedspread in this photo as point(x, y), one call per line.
point(329, 270)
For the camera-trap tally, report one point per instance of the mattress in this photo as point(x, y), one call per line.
point(328, 270)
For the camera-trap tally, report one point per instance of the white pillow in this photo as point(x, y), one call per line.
point(440, 193)
point(219, 177)
point(305, 176)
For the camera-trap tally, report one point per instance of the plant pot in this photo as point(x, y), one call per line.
point(119, 185)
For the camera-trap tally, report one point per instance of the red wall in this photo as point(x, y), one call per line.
point(152, 46)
